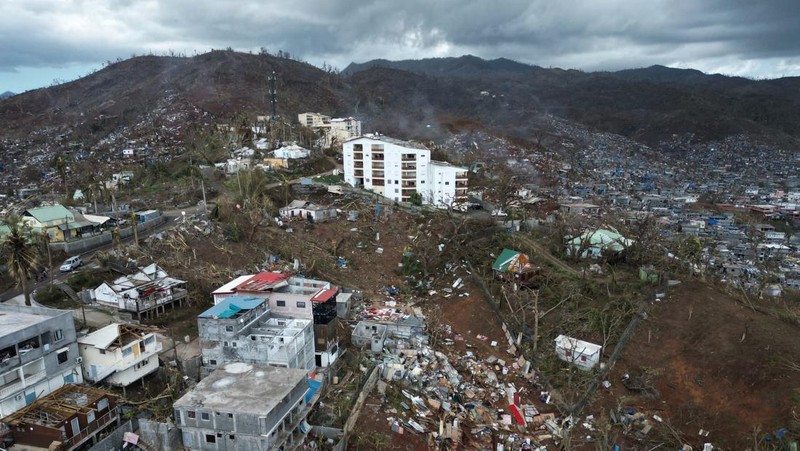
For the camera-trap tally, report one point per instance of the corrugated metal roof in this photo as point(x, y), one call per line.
point(47, 214)
point(504, 260)
point(101, 338)
point(229, 307)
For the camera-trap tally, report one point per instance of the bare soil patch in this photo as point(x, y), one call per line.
point(721, 367)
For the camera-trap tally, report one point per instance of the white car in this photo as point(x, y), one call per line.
point(71, 263)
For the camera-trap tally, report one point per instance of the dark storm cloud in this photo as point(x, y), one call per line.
point(731, 36)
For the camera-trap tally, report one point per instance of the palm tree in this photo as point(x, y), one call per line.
point(21, 253)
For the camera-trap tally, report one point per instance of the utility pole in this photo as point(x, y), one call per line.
point(273, 92)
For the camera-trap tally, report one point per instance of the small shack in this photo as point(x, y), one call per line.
point(301, 209)
point(514, 266)
point(580, 353)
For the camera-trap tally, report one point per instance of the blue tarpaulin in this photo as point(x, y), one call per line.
point(313, 386)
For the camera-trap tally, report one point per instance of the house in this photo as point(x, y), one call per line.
point(119, 354)
point(580, 353)
point(53, 220)
point(38, 354)
point(579, 208)
point(148, 292)
point(296, 297)
point(73, 415)
point(244, 407)
point(291, 152)
point(369, 333)
point(302, 209)
point(399, 169)
point(244, 329)
point(514, 266)
point(594, 243)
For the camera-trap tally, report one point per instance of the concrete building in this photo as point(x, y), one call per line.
point(243, 329)
point(296, 297)
point(38, 354)
point(244, 407)
point(119, 354)
point(72, 416)
point(336, 130)
point(398, 169)
point(148, 292)
point(314, 120)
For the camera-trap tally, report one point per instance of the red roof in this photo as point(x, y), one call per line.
point(262, 281)
point(325, 295)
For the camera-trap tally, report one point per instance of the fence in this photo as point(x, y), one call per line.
point(369, 384)
point(93, 242)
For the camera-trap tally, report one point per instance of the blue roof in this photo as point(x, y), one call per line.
point(230, 307)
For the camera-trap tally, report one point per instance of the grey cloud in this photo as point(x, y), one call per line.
point(588, 34)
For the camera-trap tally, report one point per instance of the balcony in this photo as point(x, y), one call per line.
point(358, 156)
point(409, 157)
point(408, 166)
point(358, 164)
point(91, 429)
point(358, 173)
point(150, 302)
point(377, 174)
point(409, 175)
point(9, 389)
point(377, 165)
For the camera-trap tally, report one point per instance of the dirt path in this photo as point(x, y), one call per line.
point(541, 251)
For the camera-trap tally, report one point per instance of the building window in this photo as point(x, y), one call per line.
point(231, 437)
point(396, 190)
point(205, 416)
point(102, 351)
point(230, 415)
point(191, 414)
point(127, 351)
point(62, 356)
point(396, 182)
point(446, 183)
point(301, 304)
point(281, 303)
point(211, 438)
point(212, 362)
point(59, 335)
point(228, 328)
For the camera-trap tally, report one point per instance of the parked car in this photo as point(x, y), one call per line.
point(71, 264)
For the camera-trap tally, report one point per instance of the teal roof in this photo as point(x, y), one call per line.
point(603, 238)
point(504, 260)
point(48, 214)
point(232, 306)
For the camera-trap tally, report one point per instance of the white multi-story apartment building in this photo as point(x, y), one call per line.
point(397, 169)
point(38, 354)
point(119, 354)
point(314, 120)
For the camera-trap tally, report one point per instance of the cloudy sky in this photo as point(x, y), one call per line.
point(47, 41)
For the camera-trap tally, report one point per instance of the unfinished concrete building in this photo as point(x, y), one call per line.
point(297, 297)
point(73, 416)
point(246, 407)
point(244, 329)
point(38, 354)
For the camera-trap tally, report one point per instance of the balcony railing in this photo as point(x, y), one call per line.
point(358, 165)
point(9, 389)
point(150, 302)
point(358, 156)
point(93, 427)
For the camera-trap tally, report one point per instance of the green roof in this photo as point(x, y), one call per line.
point(49, 214)
point(603, 238)
point(504, 260)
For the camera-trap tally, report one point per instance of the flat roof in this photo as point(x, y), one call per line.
point(395, 141)
point(263, 281)
point(243, 388)
point(14, 321)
